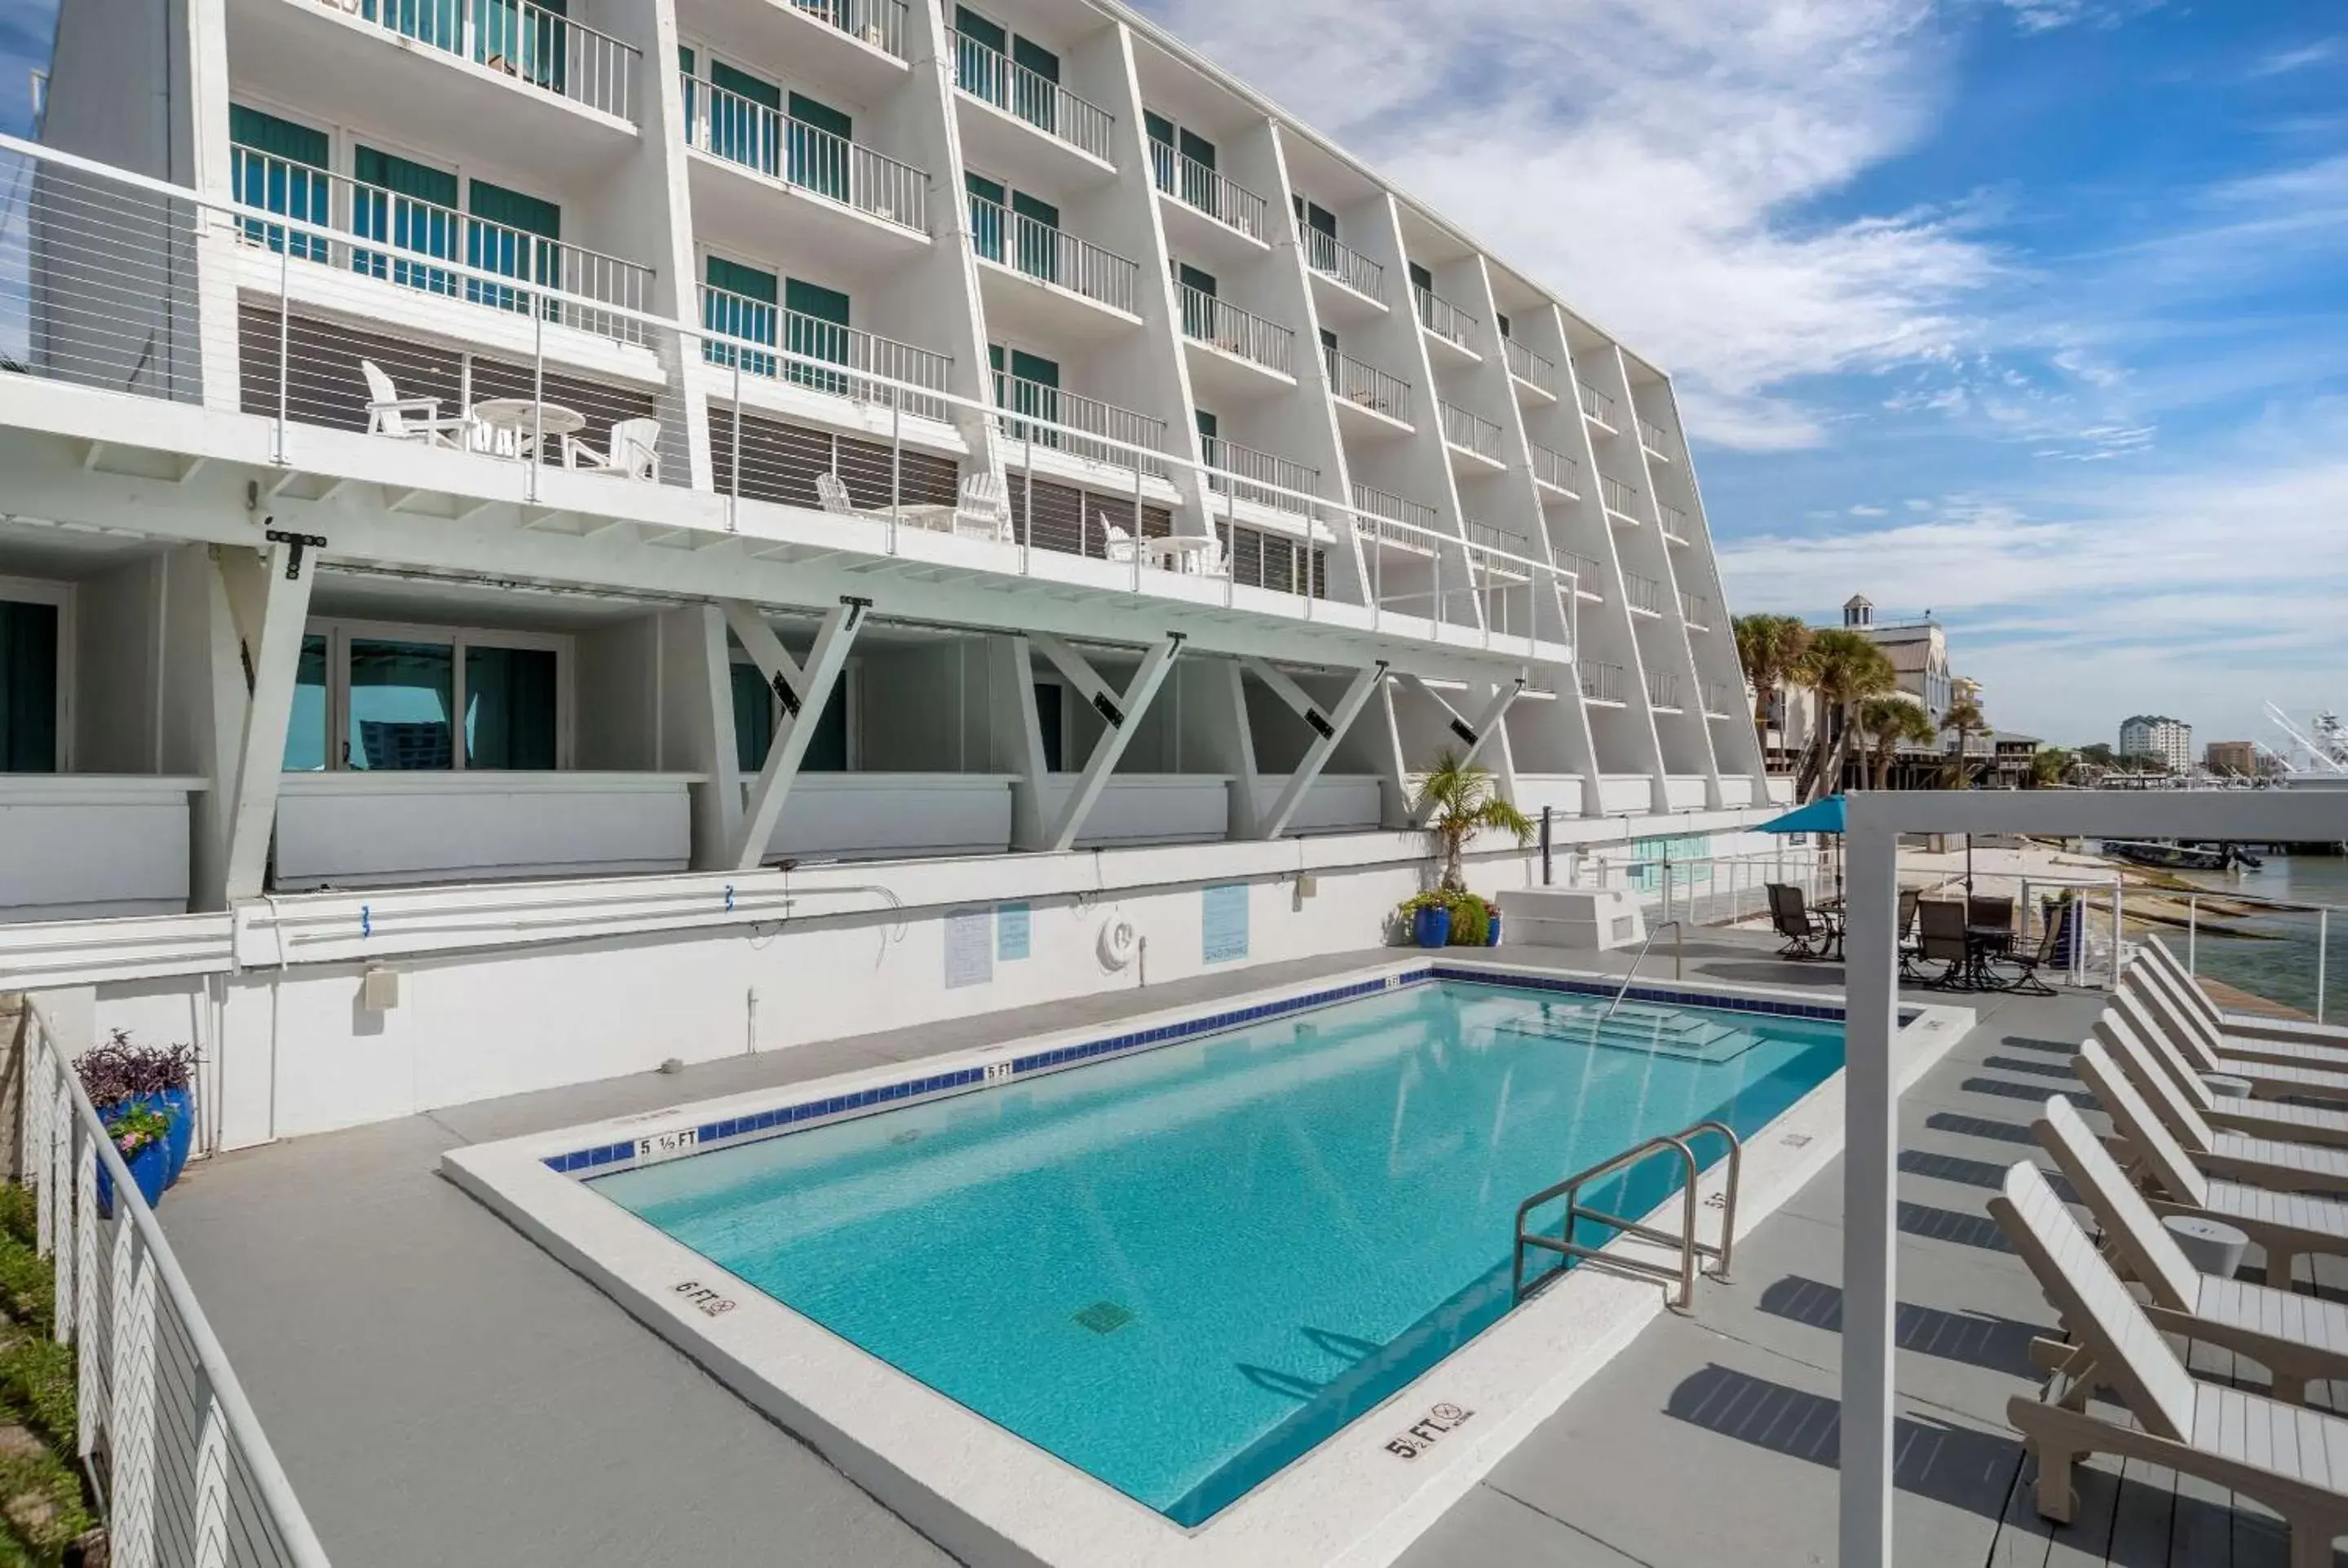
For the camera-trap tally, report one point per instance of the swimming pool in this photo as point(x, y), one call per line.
point(1177, 1271)
point(1124, 1297)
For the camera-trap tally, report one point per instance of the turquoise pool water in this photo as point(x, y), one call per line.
point(1180, 1270)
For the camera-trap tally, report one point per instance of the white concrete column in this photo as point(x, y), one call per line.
point(1871, 1174)
point(269, 594)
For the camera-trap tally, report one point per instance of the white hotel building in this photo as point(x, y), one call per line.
point(536, 543)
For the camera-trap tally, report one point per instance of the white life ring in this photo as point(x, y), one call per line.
point(1116, 942)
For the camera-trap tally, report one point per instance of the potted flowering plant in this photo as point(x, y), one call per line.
point(1430, 914)
point(141, 1133)
point(123, 1073)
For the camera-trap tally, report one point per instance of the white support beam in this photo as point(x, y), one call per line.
point(803, 693)
point(1870, 1176)
point(1121, 710)
point(1327, 731)
point(1475, 736)
point(269, 593)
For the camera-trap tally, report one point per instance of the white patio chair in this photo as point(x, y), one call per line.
point(985, 509)
point(2298, 1339)
point(410, 418)
point(633, 450)
point(1119, 547)
point(832, 491)
point(2276, 1454)
point(2284, 1225)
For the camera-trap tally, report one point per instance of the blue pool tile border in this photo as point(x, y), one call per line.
point(603, 1159)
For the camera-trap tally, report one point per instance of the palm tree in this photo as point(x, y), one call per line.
point(1774, 650)
point(1846, 668)
point(1464, 805)
point(1888, 720)
point(1964, 716)
point(2050, 766)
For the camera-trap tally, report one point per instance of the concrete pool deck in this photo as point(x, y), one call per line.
point(439, 1390)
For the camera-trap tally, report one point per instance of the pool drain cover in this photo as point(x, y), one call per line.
point(1104, 1316)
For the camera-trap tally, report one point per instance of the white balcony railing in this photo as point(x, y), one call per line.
point(382, 233)
point(534, 46)
point(1048, 417)
point(1196, 186)
point(1441, 317)
point(879, 23)
point(1719, 701)
point(1386, 516)
point(1207, 320)
point(1596, 405)
point(1651, 436)
point(1664, 690)
point(1675, 522)
point(1245, 473)
point(855, 365)
point(1618, 498)
point(769, 142)
point(1324, 255)
point(992, 76)
point(1534, 369)
point(1498, 538)
point(1041, 251)
point(1586, 579)
point(1696, 610)
point(1603, 683)
point(1367, 384)
point(1556, 470)
point(1470, 432)
point(1642, 593)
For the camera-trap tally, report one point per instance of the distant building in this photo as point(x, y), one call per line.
point(2233, 759)
point(1919, 651)
point(2155, 735)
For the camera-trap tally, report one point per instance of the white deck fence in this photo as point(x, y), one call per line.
point(187, 1475)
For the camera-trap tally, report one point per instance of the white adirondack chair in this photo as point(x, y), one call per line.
point(409, 418)
point(634, 449)
point(985, 509)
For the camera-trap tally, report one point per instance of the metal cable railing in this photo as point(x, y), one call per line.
point(1325, 256)
point(1224, 325)
point(1198, 187)
point(988, 75)
point(536, 47)
point(1050, 255)
point(190, 1476)
point(807, 157)
point(1365, 384)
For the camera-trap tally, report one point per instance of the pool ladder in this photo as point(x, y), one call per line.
point(1692, 1251)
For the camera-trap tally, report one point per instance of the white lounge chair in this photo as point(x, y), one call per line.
point(633, 450)
point(410, 418)
point(2188, 1005)
point(2285, 1226)
point(2267, 1118)
point(2311, 1074)
point(2292, 1459)
point(985, 509)
point(2246, 1026)
point(2285, 1165)
point(1116, 545)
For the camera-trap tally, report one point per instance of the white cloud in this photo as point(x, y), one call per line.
point(1864, 511)
point(1653, 163)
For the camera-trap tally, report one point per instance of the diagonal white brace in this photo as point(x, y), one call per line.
point(1327, 731)
point(270, 589)
point(803, 693)
point(1120, 709)
point(1476, 736)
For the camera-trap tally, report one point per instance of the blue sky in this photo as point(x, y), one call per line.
point(2026, 312)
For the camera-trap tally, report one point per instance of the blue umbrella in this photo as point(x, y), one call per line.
point(1819, 816)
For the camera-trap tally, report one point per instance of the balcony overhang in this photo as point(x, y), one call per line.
point(1022, 302)
point(739, 209)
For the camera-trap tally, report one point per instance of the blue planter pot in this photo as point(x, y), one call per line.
point(1432, 928)
point(147, 1168)
point(1492, 932)
point(180, 1107)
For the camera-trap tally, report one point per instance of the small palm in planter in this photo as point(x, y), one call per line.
point(141, 1134)
point(1459, 801)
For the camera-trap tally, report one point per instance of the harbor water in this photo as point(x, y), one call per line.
point(2278, 960)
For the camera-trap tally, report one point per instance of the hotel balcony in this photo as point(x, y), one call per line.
point(1644, 595)
point(1471, 433)
point(1604, 684)
point(875, 24)
point(1664, 692)
point(1379, 403)
point(1674, 523)
point(1017, 251)
point(1650, 438)
point(1596, 407)
point(393, 240)
point(844, 189)
point(554, 96)
point(1587, 583)
point(1621, 502)
point(1242, 348)
point(860, 356)
point(1030, 124)
point(1109, 435)
point(1720, 701)
point(1696, 610)
point(1230, 208)
point(1556, 473)
point(1444, 322)
point(1390, 519)
point(1231, 467)
point(1348, 269)
point(1529, 371)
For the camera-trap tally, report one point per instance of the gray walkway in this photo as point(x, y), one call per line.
point(440, 1390)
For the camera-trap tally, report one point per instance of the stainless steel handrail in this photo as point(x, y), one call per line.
point(1691, 1250)
point(1679, 961)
